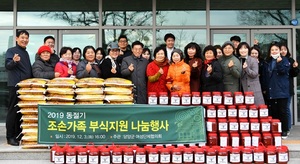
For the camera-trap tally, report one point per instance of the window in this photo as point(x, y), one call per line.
point(6, 13)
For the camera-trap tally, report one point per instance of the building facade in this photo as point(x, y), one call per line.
point(99, 22)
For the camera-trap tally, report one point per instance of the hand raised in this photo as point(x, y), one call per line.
point(230, 64)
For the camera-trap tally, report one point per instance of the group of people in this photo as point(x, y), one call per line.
point(234, 66)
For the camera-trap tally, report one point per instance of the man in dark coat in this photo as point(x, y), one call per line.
point(134, 68)
point(18, 66)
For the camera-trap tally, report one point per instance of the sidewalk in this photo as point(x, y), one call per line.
point(14, 154)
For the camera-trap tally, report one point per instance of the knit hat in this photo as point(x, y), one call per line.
point(227, 43)
point(44, 48)
point(113, 45)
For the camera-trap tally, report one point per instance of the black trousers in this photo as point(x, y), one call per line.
point(13, 122)
point(277, 109)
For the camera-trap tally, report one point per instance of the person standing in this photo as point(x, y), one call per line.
point(43, 67)
point(157, 71)
point(66, 66)
point(76, 55)
point(88, 66)
point(192, 52)
point(294, 71)
point(250, 75)
point(276, 85)
point(235, 41)
point(134, 68)
point(211, 74)
point(170, 44)
point(18, 66)
point(231, 68)
point(179, 73)
point(110, 67)
point(124, 47)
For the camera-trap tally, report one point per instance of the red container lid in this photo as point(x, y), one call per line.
point(263, 106)
point(199, 150)
point(174, 94)
point(222, 120)
point(212, 134)
point(259, 149)
point(242, 107)
point(231, 107)
point(232, 120)
point(235, 150)
point(77, 147)
point(234, 134)
point(238, 93)
point(275, 120)
point(221, 106)
point(176, 150)
point(82, 150)
point(117, 150)
point(211, 120)
point(222, 150)
point(223, 134)
point(254, 120)
point(60, 150)
point(243, 120)
point(276, 134)
point(105, 150)
point(187, 149)
point(252, 107)
point(264, 120)
point(211, 107)
point(165, 150)
point(247, 150)
point(249, 93)
point(152, 93)
point(163, 93)
point(186, 94)
point(206, 94)
point(70, 150)
point(181, 147)
point(227, 93)
point(152, 150)
point(216, 93)
point(94, 150)
point(140, 150)
point(196, 93)
point(170, 147)
point(128, 150)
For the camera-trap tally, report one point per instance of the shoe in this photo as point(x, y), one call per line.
point(284, 135)
point(13, 142)
point(288, 133)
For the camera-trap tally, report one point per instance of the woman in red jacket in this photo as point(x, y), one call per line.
point(66, 67)
point(157, 71)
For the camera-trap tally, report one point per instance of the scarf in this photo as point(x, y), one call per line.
point(67, 63)
point(161, 64)
point(113, 63)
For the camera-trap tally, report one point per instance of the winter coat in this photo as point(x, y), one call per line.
point(276, 80)
point(158, 83)
point(177, 77)
point(43, 69)
point(231, 75)
point(17, 71)
point(137, 76)
point(62, 68)
point(106, 67)
point(250, 80)
point(195, 75)
point(81, 70)
point(213, 81)
point(293, 73)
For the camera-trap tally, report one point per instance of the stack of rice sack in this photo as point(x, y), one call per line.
point(31, 93)
point(89, 91)
point(60, 91)
point(118, 91)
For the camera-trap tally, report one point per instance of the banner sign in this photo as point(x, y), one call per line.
point(120, 124)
